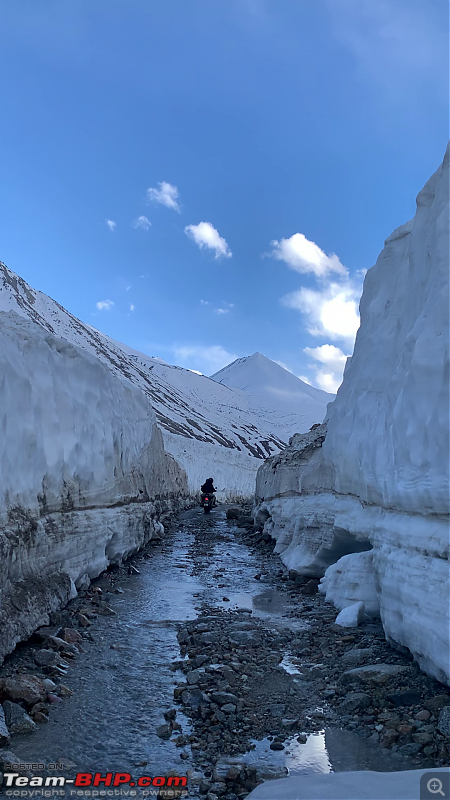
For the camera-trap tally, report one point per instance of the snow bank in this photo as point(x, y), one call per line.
point(83, 472)
point(366, 785)
point(380, 479)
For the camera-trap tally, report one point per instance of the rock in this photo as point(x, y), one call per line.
point(132, 570)
point(7, 757)
point(354, 701)
point(40, 717)
point(228, 708)
point(193, 676)
point(423, 716)
point(164, 731)
point(53, 698)
point(56, 643)
point(302, 738)
point(4, 733)
point(351, 616)
point(388, 737)
point(276, 745)
point(83, 620)
point(17, 718)
point(423, 738)
point(373, 673)
point(49, 685)
point(410, 749)
point(47, 658)
point(437, 702)
point(234, 513)
point(221, 698)
point(357, 656)
point(311, 587)
point(443, 725)
point(409, 698)
point(170, 715)
point(71, 636)
point(64, 691)
point(193, 697)
point(257, 577)
point(24, 687)
point(106, 611)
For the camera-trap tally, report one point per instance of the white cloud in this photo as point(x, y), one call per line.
point(206, 360)
point(302, 255)
point(205, 235)
point(205, 302)
point(221, 311)
point(167, 195)
point(132, 307)
point(111, 224)
point(142, 222)
point(332, 360)
point(104, 305)
point(331, 311)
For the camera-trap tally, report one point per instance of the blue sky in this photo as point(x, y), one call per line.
point(202, 179)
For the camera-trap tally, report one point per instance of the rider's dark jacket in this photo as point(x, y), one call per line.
point(208, 487)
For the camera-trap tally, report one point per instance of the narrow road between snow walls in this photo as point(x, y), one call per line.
point(200, 659)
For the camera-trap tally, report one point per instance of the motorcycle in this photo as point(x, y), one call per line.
point(208, 502)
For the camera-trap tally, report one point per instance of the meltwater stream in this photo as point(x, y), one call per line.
point(123, 681)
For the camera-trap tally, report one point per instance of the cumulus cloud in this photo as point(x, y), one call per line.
point(332, 362)
point(302, 255)
point(104, 305)
point(205, 235)
point(207, 359)
point(132, 307)
point(111, 224)
point(142, 222)
point(331, 311)
point(166, 195)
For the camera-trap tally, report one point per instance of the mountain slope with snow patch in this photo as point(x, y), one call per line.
point(208, 427)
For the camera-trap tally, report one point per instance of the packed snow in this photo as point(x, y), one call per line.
point(82, 471)
point(377, 478)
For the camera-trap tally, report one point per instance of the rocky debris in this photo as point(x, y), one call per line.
point(17, 719)
point(5, 737)
point(25, 688)
point(444, 721)
point(373, 673)
point(351, 616)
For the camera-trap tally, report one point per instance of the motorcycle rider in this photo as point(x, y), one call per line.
point(208, 488)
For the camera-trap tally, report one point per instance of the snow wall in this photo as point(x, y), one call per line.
point(364, 500)
point(83, 473)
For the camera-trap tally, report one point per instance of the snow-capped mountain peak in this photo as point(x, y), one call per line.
point(269, 385)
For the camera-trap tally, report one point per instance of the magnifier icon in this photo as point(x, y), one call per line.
point(434, 786)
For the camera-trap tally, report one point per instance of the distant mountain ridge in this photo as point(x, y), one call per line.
point(207, 426)
point(269, 385)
